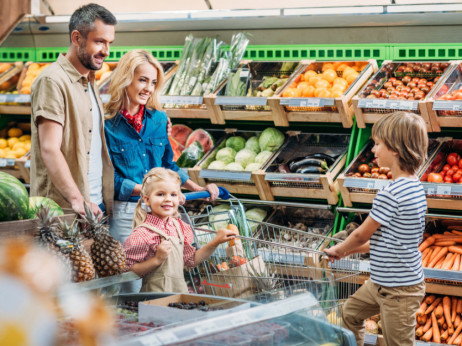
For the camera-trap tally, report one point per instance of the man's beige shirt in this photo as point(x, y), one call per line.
point(60, 93)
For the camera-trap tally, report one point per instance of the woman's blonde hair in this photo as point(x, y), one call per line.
point(153, 177)
point(406, 134)
point(123, 76)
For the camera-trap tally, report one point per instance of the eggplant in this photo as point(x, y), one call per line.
point(329, 159)
point(310, 169)
point(308, 162)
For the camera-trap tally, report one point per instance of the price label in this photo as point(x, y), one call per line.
point(242, 320)
point(443, 190)
point(313, 102)
point(22, 98)
point(3, 98)
point(456, 107)
point(244, 74)
point(27, 164)
point(369, 105)
point(2, 162)
point(380, 103)
point(393, 104)
point(430, 191)
point(370, 185)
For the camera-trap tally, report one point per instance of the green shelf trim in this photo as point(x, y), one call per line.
point(49, 54)
point(433, 51)
point(362, 138)
point(8, 54)
point(163, 53)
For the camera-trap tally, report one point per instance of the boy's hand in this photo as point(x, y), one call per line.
point(334, 253)
point(223, 235)
point(163, 250)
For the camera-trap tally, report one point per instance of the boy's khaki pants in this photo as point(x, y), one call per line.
point(397, 307)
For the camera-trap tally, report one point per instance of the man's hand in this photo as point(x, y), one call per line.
point(334, 253)
point(169, 127)
point(163, 250)
point(78, 207)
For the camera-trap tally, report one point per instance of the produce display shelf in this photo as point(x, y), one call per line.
point(318, 109)
point(447, 112)
point(19, 168)
point(369, 110)
point(12, 54)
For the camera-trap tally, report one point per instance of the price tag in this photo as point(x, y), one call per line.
point(380, 103)
point(313, 102)
point(456, 107)
point(444, 189)
point(393, 105)
point(27, 164)
point(369, 105)
point(244, 73)
point(2, 162)
point(22, 98)
point(10, 162)
point(370, 185)
point(430, 191)
point(3, 98)
point(167, 337)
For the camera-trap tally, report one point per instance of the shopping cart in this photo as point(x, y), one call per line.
point(259, 267)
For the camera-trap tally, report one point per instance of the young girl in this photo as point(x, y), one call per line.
point(160, 244)
point(391, 233)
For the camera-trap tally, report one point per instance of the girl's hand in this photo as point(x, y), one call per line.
point(334, 253)
point(223, 235)
point(163, 250)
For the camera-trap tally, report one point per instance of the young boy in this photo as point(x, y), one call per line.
point(391, 233)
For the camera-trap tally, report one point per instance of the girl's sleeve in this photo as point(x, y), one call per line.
point(136, 248)
point(189, 251)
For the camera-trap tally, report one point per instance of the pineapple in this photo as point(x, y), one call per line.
point(82, 265)
point(107, 253)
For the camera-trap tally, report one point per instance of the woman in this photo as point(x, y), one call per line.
point(136, 135)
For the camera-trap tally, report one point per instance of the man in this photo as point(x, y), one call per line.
point(70, 162)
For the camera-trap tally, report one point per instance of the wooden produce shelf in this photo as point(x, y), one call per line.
point(330, 110)
point(192, 107)
point(18, 168)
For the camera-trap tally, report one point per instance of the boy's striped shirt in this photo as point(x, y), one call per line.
point(395, 258)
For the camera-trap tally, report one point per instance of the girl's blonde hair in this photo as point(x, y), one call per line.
point(153, 177)
point(123, 76)
point(406, 134)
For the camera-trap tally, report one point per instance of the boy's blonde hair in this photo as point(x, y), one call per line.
point(153, 177)
point(406, 134)
point(123, 76)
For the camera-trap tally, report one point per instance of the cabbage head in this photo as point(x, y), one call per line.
point(226, 155)
point(271, 139)
point(256, 214)
point(263, 157)
point(234, 166)
point(219, 218)
point(245, 157)
point(252, 167)
point(252, 144)
point(217, 165)
point(236, 142)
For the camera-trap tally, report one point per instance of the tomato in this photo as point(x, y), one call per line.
point(383, 176)
point(357, 174)
point(449, 173)
point(438, 158)
point(460, 164)
point(435, 178)
point(456, 177)
point(363, 168)
point(375, 170)
point(455, 168)
point(448, 180)
point(374, 175)
point(389, 175)
point(452, 159)
point(384, 170)
point(366, 175)
point(424, 177)
point(446, 167)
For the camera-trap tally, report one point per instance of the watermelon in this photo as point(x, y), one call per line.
point(181, 133)
point(14, 199)
point(203, 137)
point(176, 147)
point(36, 202)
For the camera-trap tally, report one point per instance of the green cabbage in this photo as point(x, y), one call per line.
point(252, 144)
point(263, 157)
point(234, 166)
point(245, 157)
point(236, 142)
point(271, 139)
point(256, 214)
point(252, 167)
point(226, 155)
point(222, 218)
point(217, 165)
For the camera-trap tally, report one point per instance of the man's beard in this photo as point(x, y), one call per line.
point(86, 59)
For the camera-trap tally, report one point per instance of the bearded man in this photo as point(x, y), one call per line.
point(69, 159)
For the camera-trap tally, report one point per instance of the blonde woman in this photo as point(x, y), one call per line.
point(136, 135)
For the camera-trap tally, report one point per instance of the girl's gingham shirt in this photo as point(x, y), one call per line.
point(142, 243)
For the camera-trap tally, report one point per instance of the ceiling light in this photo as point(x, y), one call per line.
point(57, 19)
point(151, 16)
point(333, 10)
point(235, 13)
point(423, 8)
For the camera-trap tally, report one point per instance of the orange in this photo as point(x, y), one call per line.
point(291, 92)
point(301, 85)
point(342, 67)
point(351, 77)
point(322, 83)
point(340, 81)
point(336, 93)
point(347, 71)
point(321, 92)
point(327, 66)
point(308, 91)
point(309, 74)
point(313, 80)
point(329, 75)
point(14, 132)
point(341, 87)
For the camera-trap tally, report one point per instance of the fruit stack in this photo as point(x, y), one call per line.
point(33, 70)
point(15, 145)
point(444, 169)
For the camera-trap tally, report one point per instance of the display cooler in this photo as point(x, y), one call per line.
point(399, 86)
point(337, 109)
point(445, 104)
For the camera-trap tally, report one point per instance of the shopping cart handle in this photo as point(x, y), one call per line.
point(223, 194)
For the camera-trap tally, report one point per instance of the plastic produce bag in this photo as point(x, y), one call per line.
point(191, 155)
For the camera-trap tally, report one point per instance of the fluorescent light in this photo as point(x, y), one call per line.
point(57, 19)
point(333, 10)
point(424, 8)
point(151, 15)
point(235, 13)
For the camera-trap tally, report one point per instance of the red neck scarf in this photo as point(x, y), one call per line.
point(135, 120)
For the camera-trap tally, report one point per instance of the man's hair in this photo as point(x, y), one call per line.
point(406, 134)
point(83, 19)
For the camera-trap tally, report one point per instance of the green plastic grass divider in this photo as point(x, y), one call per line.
point(428, 51)
point(11, 54)
point(49, 54)
point(162, 53)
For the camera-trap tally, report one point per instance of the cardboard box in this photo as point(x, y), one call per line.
point(159, 311)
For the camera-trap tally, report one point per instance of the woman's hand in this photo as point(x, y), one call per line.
point(214, 192)
point(334, 253)
point(169, 127)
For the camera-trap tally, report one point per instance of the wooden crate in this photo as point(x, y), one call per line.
point(330, 110)
point(445, 118)
point(369, 111)
point(18, 168)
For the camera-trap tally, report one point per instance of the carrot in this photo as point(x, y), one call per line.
point(444, 335)
point(224, 266)
point(440, 255)
point(438, 236)
point(453, 309)
point(433, 305)
point(427, 258)
point(425, 253)
point(454, 336)
point(421, 320)
point(436, 250)
point(428, 335)
point(430, 299)
point(427, 325)
point(436, 331)
point(445, 326)
point(439, 310)
point(422, 308)
point(457, 321)
point(426, 243)
point(456, 232)
point(447, 233)
point(459, 306)
point(447, 312)
point(458, 340)
point(449, 262)
point(234, 228)
point(456, 264)
point(440, 263)
point(419, 331)
point(441, 321)
point(455, 249)
point(446, 243)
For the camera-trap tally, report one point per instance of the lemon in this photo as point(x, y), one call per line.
point(24, 138)
point(11, 141)
point(27, 146)
point(18, 145)
point(10, 155)
point(3, 143)
point(14, 132)
point(20, 152)
point(2, 152)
